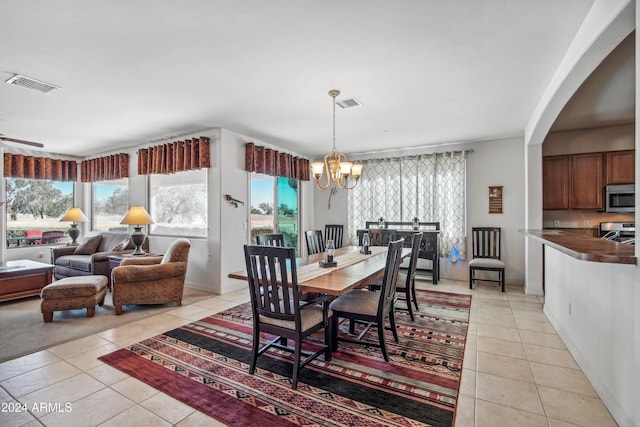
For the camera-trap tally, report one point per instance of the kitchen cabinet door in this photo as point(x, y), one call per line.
point(555, 182)
point(587, 184)
point(620, 167)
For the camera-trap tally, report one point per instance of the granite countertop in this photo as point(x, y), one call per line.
point(584, 247)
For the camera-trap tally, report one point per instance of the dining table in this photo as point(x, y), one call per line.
point(353, 270)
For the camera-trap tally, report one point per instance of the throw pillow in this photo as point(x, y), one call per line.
point(88, 246)
point(121, 246)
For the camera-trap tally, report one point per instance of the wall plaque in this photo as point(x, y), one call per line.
point(495, 199)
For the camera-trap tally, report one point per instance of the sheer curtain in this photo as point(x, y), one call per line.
point(429, 186)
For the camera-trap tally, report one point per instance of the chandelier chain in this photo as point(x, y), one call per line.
point(333, 95)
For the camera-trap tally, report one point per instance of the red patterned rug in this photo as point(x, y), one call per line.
point(205, 365)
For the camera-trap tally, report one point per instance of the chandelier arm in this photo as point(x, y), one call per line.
point(350, 188)
point(327, 170)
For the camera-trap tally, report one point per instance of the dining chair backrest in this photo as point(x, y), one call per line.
point(388, 285)
point(486, 242)
point(334, 232)
point(273, 239)
point(315, 242)
point(416, 239)
point(381, 237)
point(273, 283)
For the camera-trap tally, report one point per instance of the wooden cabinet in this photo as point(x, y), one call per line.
point(555, 182)
point(620, 167)
point(587, 183)
point(573, 181)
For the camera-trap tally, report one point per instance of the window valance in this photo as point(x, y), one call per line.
point(21, 166)
point(115, 166)
point(271, 162)
point(174, 157)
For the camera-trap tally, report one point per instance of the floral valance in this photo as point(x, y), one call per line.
point(21, 166)
point(271, 162)
point(115, 166)
point(174, 157)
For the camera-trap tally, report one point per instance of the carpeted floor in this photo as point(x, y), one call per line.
point(23, 331)
point(205, 365)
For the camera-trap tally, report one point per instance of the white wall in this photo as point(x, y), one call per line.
point(603, 331)
point(591, 306)
point(498, 162)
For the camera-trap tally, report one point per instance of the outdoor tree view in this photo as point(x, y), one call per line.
point(267, 192)
point(110, 204)
point(179, 203)
point(34, 206)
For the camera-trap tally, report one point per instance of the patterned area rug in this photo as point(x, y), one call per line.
point(205, 365)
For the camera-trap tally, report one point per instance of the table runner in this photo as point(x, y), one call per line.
point(311, 271)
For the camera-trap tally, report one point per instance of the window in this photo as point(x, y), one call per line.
point(266, 193)
point(429, 186)
point(35, 206)
point(110, 202)
point(178, 203)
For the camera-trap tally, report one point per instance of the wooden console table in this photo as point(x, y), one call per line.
point(429, 247)
point(23, 278)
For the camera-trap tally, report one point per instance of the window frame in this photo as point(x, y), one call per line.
point(150, 206)
point(93, 212)
point(62, 226)
point(276, 219)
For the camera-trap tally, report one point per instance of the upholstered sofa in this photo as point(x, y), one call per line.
point(90, 257)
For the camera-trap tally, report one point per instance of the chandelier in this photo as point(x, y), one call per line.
point(337, 168)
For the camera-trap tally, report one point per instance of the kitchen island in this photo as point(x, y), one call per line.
point(590, 298)
point(583, 247)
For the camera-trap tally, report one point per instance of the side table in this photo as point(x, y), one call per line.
point(23, 278)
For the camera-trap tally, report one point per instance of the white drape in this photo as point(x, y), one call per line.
point(430, 187)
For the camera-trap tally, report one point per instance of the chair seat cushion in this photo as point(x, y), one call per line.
point(80, 262)
point(486, 263)
point(357, 301)
point(73, 287)
point(309, 317)
point(401, 283)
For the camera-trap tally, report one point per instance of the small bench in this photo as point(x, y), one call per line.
point(73, 293)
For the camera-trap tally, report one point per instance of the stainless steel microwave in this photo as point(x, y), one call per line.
point(621, 198)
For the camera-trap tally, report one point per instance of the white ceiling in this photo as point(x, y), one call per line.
point(427, 72)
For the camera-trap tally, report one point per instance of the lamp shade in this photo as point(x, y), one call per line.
point(137, 215)
point(74, 215)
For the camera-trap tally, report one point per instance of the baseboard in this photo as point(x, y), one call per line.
point(198, 287)
point(590, 372)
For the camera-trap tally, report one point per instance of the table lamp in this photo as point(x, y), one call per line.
point(137, 216)
point(74, 215)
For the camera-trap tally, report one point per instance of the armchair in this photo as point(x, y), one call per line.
point(151, 280)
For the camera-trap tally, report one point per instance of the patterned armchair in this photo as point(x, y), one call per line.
point(151, 280)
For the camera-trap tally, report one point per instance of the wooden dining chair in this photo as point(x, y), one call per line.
point(334, 232)
point(370, 307)
point(486, 255)
point(315, 242)
point(406, 283)
point(381, 237)
point(277, 308)
point(273, 239)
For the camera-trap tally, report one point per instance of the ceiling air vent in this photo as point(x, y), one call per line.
point(349, 103)
point(34, 84)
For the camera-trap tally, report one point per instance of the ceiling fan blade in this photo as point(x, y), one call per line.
point(22, 141)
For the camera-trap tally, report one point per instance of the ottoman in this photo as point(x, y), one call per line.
point(72, 293)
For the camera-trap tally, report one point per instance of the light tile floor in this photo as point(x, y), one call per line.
point(516, 372)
